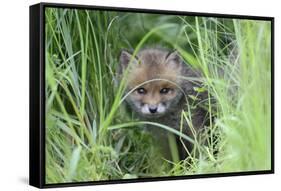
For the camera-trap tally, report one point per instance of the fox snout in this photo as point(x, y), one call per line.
point(152, 108)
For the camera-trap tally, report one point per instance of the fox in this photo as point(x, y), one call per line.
point(159, 91)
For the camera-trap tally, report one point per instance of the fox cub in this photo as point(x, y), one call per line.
point(161, 87)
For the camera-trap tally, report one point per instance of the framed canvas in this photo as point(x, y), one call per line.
point(122, 95)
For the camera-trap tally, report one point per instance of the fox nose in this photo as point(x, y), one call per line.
point(153, 109)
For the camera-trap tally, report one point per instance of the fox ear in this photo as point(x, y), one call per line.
point(173, 59)
point(125, 58)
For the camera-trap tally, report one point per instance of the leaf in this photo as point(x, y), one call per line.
point(130, 176)
point(74, 162)
point(199, 89)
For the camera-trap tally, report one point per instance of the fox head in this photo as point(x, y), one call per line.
point(153, 81)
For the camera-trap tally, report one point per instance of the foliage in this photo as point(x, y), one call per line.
point(89, 134)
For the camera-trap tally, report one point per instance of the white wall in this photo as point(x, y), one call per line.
point(14, 38)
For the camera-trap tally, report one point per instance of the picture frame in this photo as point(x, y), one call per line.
point(39, 94)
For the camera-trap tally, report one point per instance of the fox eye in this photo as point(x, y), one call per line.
point(141, 91)
point(165, 90)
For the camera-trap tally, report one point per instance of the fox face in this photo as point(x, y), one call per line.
point(153, 81)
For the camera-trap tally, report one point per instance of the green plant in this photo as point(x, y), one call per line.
point(91, 137)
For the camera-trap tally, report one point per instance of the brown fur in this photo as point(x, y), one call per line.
point(151, 64)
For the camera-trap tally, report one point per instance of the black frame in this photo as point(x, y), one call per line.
point(37, 94)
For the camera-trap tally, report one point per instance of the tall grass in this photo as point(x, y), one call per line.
point(240, 83)
point(89, 134)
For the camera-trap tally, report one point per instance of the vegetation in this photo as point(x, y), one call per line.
point(91, 137)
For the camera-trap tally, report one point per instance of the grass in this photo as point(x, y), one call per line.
point(89, 134)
